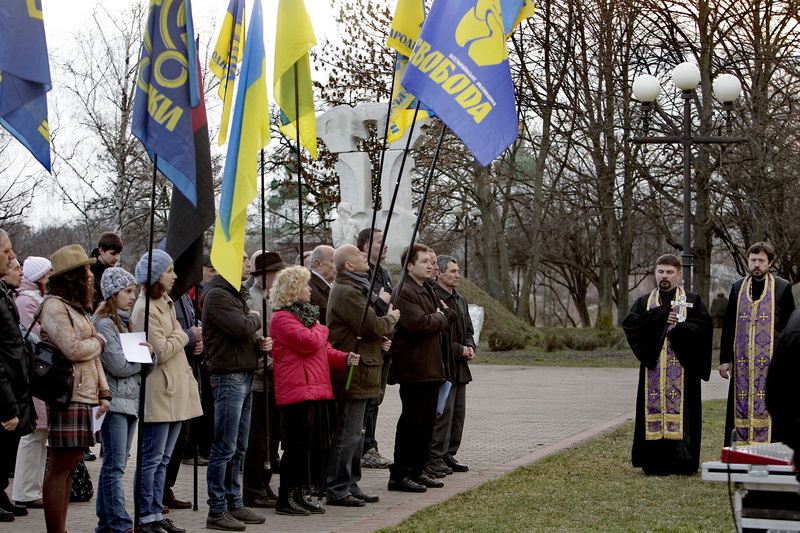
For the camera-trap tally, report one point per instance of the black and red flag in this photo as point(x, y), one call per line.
point(187, 224)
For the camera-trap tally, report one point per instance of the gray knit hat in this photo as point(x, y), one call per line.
point(114, 280)
point(161, 260)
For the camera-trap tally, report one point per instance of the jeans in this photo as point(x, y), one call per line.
point(233, 403)
point(158, 441)
point(117, 435)
point(344, 472)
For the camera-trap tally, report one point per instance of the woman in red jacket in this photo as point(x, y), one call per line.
point(302, 357)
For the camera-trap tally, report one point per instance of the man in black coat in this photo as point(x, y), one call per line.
point(670, 332)
point(16, 409)
point(371, 457)
point(458, 348)
point(418, 368)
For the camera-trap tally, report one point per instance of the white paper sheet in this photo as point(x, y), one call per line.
point(135, 352)
point(97, 422)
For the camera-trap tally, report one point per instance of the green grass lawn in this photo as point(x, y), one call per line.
point(603, 358)
point(590, 487)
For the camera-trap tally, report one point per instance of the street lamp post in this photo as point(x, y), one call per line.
point(686, 77)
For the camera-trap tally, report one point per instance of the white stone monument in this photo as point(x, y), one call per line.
point(342, 128)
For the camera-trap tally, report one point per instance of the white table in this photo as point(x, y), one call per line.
point(747, 477)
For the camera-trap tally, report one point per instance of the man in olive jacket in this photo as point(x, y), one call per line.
point(417, 366)
point(232, 342)
point(15, 401)
point(346, 304)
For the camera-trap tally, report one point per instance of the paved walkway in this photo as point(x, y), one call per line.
point(515, 415)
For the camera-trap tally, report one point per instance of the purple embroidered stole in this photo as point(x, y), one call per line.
point(752, 353)
point(664, 391)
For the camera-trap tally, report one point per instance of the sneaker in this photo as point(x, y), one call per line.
point(373, 459)
point(247, 516)
point(224, 521)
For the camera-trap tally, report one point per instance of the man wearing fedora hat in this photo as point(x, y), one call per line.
point(15, 400)
point(262, 448)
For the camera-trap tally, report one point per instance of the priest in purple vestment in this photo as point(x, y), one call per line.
point(759, 306)
point(670, 333)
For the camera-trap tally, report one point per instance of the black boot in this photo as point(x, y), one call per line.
point(286, 504)
point(299, 499)
point(11, 507)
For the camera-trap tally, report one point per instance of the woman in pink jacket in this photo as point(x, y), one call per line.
point(302, 357)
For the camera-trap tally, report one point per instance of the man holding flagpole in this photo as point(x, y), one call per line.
point(249, 133)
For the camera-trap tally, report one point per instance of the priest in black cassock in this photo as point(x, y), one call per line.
point(670, 332)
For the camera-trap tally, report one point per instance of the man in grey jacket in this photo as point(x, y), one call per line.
point(231, 336)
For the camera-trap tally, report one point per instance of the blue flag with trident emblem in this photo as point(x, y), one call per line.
point(166, 91)
point(25, 76)
point(459, 68)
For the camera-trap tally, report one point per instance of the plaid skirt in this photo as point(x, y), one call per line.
point(70, 427)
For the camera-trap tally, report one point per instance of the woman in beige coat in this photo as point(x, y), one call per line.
point(65, 322)
point(171, 395)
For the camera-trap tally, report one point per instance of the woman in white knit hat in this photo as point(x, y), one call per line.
point(32, 452)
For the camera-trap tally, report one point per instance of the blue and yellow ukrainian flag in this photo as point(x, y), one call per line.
point(25, 76)
point(459, 68)
point(225, 57)
point(249, 134)
point(166, 91)
point(409, 15)
point(293, 91)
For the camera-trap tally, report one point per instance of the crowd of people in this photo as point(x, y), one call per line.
point(282, 372)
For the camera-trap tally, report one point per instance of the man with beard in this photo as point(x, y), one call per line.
point(670, 332)
point(759, 306)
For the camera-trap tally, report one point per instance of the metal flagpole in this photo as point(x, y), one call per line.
point(299, 161)
point(264, 331)
point(421, 209)
point(374, 276)
point(380, 172)
point(137, 497)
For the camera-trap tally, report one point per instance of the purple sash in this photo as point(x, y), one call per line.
point(664, 391)
point(752, 353)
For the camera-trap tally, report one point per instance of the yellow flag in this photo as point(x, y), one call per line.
point(406, 25)
point(409, 15)
point(225, 57)
point(293, 91)
point(249, 134)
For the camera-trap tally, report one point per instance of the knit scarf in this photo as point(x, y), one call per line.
point(306, 313)
point(359, 277)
